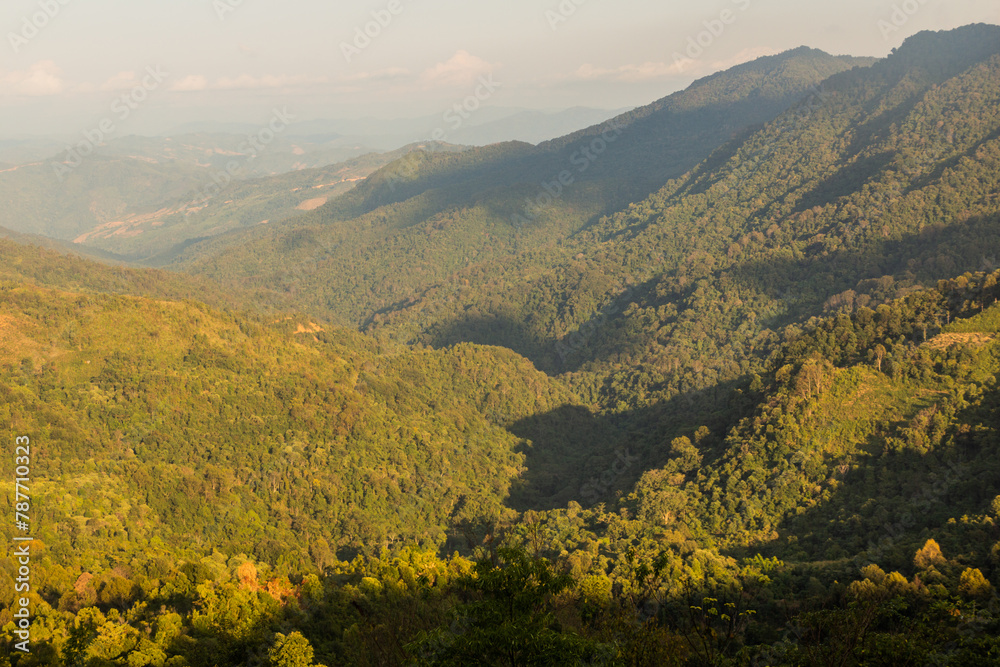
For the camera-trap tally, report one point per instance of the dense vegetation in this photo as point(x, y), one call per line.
point(749, 419)
point(239, 491)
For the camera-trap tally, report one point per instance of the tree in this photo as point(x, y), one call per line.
point(929, 556)
point(814, 376)
point(292, 650)
point(974, 585)
point(880, 353)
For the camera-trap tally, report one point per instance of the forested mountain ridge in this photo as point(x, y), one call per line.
point(820, 200)
point(54, 266)
point(666, 138)
point(902, 391)
point(445, 213)
point(884, 180)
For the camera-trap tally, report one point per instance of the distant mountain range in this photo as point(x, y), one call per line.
point(132, 186)
point(321, 142)
point(479, 127)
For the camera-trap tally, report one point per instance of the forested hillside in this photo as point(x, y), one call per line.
point(201, 488)
point(53, 265)
point(885, 182)
point(334, 431)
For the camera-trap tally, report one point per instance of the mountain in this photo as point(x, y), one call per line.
point(466, 211)
point(142, 196)
point(61, 247)
point(827, 202)
point(659, 312)
point(485, 125)
point(361, 424)
point(683, 289)
point(153, 237)
point(748, 417)
point(259, 151)
point(24, 260)
point(20, 150)
point(527, 125)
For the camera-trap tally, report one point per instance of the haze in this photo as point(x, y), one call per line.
point(66, 62)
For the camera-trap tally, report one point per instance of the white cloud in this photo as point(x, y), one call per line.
point(248, 82)
point(461, 69)
point(39, 80)
point(652, 71)
point(380, 75)
point(120, 81)
point(190, 83)
point(197, 82)
point(648, 71)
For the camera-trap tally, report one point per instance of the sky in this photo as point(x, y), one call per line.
point(67, 65)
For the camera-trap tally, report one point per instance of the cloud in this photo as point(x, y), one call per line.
point(461, 69)
point(120, 81)
point(648, 71)
point(190, 83)
point(248, 82)
point(197, 82)
point(652, 71)
point(39, 80)
point(380, 75)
